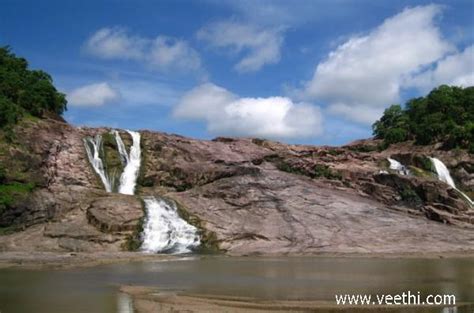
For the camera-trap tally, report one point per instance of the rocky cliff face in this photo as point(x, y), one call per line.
point(248, 196)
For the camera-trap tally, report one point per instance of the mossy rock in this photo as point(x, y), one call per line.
point(9, 230)
point(127, 140)
point(470, 194)
point(19, 165)
point(112, 160)
point(418, 172)
point(322, 170)
point(410, 196)
point(316, 171)
point(133, 242)
point(384, 163)
point(142, 179)
point(335, 151)
point(209, 241)
point(423, 163)
point(11, 194)
point(367, 148)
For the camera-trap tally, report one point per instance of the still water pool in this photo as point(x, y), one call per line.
point(95, 289)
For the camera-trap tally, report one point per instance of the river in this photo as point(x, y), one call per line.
point(95, 289)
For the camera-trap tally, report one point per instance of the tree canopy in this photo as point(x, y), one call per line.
point(25, 91)
point(445, 115)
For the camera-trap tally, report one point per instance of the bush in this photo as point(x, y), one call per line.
point(395, 135)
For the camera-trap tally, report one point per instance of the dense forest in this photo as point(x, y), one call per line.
point(445, 115)
point(24, 91)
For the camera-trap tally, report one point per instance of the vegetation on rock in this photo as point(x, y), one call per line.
point(445, 115)
point(25, 96)
point(112, 160)
point(314, 171)
point(24, 91)
point(11, 194)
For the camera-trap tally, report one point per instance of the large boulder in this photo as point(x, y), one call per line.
point(116, 213)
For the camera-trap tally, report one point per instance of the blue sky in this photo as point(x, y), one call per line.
point(318, 72)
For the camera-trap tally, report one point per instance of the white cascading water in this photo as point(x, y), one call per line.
point(128, 179)
point(397, 166)
point(165, 231)
point(121, 147)
point(93, 146)
point(445, 176)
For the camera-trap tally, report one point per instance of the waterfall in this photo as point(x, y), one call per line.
point(443, 172)
point(128, 179)
point(121, 148)
point(165, 231)
point(93, 147)
point(397, 166)
point(443, 175)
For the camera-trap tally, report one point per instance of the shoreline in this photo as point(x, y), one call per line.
point(69, 260)
point(152, 299)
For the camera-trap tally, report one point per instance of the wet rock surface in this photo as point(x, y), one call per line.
point(281, 213)
point(249, 196)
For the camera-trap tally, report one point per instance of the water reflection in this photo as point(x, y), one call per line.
point(95, 289)
point(124, 303)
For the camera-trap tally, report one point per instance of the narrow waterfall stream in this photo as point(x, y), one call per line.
point(128, 179)
point(445, 176)
point(121, 147)
point(399, 167)
point(93, 147)
point(164, 230)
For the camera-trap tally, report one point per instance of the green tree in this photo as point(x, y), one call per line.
point(445, 115)
point(393, 125)
point(24, 91)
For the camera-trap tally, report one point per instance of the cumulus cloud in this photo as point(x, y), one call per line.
point(93, 95)
point(455, 69)
point(260, 46)
point(227, 114)
point(161, 52)
point(366, 73)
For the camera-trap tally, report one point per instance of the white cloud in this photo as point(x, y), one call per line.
point(284, 12)
point(455, 69)
point(167, 52)
point(365, 74)
point(161, 52)
point(227, 114)
point(260, 46)
point(135, 92)
point(203, 101)
point(115, 43)
point(364, 114)
point(92, 95)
